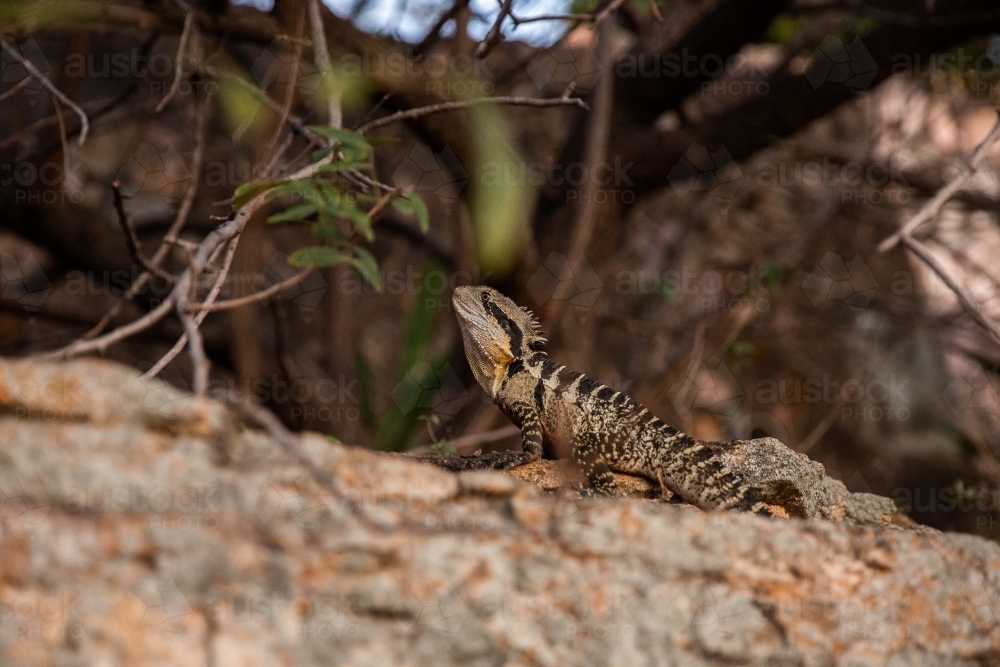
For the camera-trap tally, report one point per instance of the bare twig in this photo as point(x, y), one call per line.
point(493, 36)
point(270, 154)
point(655, 11)
point(579, 18)
point(196, 348)
point(270, 422)
point(199, 317)
point(322, 56)
point(410, 114)
point(366, 180)
point(189, 27)
point(467, 444)
point(227, 231)
point(821, 428)
point(606, 12)
point(965, 297)
point(518, 20)
point(932, 207)
point(297, 124)
point(472, 441)
point(598, 129)
point(180, 220)
point(229, 304)
point(101, 343)
point(380, 205)
point(63, 143)
point(131, 238)
point(49, 86)
point(18, 86)
point(434, 33)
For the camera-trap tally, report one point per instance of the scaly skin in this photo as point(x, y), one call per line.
point(604, 429)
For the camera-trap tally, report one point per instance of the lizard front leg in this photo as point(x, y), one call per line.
point(587, 449)
point(525, 416)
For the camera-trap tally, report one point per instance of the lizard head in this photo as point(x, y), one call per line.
point(495, 331)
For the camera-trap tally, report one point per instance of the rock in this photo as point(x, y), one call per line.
point(791, 483)
point(487, 483)
point(800, 486)
point(124, 543)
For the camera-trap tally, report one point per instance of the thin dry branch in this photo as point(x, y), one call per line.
point(276, 288)
point(18, 86)
point(229, 230)
point(270, 422)
point(434, 33)
point(410, 114)
point(271, 155)
point(322, 55)
point(49, 86)
point(932, 207)
point(131, 238)
point(63, 143)
point(518, 20)
point(494, 35)
point(180, 219)
point(579, 18)
point(189, 27)
point(199, 317)
point(606, 12)
point(102, 343)
point(195, 342)
point(472, 441)
point(598, 130)
point(965, 297)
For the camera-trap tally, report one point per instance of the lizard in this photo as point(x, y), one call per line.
point(604, 429)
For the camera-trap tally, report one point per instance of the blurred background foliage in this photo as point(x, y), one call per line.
point(704, 236)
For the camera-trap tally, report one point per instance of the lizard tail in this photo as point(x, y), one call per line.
point(703, 480)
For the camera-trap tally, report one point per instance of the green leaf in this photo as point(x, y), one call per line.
point(442, 447)
point(318, 155)
point(294, 213)
point(420, 208)
point(360, 219)
point(366, 265)
point(343, 165)
point(249, 190)
point(342, 136)
point(326, 231)
point(412, 204)
point(318, 257)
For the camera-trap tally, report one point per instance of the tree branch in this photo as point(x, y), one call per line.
point(49, 86)
point(933, 206)
point(410, 114)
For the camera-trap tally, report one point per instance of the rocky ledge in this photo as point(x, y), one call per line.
point(140, 526)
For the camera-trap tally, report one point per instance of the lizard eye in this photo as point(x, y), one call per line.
point(486, 297)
